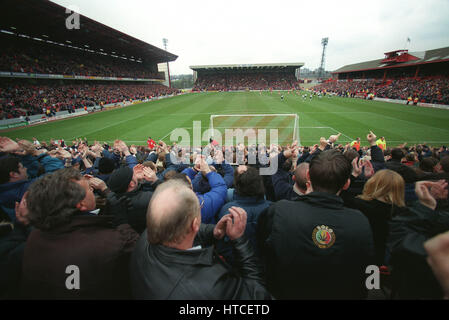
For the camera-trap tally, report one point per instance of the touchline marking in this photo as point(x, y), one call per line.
point(352, 139)
point(111, 125)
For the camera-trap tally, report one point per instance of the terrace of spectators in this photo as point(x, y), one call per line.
point(399, 64)
point(280, 76)
point(43, 64)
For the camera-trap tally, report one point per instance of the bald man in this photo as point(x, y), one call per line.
point(175, 259)
point(282, 183)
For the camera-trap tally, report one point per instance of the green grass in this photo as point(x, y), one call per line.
point(319, 117)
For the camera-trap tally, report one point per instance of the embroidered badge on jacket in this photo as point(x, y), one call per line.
point(323, 237)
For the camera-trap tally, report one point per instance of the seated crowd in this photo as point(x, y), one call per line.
point(18, 98)
point(428, 90)
point(87, 220)
point(29, 56)
point(244, 81)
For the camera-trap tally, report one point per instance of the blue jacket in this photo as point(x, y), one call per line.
point(228, 172)
point(282, 181)
point(170, 166)
point(213, 200)
point(113, 156)
point(224, 168)
point(50, 164)
point(253, 207)
point(12, 192)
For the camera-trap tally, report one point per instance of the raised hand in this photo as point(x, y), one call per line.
point(204, 167)
point(422, 190)
point(27, 146)
point(438, 189)
point(438, 258)
point(220, 227)
point(8, 145)
point(371, 137)
point(97, 184)
point(369, 170)
point(356, 167)
point(138, 171)
point(323, 143)
point(235, 227)
point(122, 147)
point(64, 153)
point(149, 175)
point(334, 137)
point(218, 156)
point(22, 211)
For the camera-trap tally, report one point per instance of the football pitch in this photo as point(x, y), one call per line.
point(317, 117)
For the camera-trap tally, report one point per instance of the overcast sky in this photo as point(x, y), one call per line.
point(204, 32)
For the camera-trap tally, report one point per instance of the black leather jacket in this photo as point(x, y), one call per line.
point(159, 272)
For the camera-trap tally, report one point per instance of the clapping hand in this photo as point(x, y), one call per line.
point(8, 145)
point(149, 175)
point(428, 192)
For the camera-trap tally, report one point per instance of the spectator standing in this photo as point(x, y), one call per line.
point(314, 247)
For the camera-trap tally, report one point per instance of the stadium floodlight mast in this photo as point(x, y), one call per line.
point(165, 42)
point(324, 42)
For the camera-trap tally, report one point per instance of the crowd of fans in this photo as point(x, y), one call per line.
point(28, 56)
point(164, 222)
point(25, 99)
point(246, 81)
point(429, 90)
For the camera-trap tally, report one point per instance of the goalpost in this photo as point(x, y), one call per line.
point(286, 124)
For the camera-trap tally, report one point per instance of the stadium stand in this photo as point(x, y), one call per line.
point(433, 90)
point(69, 69)
point(400, 75)
point(246, 77)
point(19, 98)
point(307, 231)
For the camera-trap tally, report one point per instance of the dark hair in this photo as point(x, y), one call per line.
point(444, 162)
point(249, 183)
point(169, 174)
point(427, 164)
point(351, 154)
point(106, 166)
point(397, 154)
point(287, 165)
point(410, 157)
point(8, 164)
point(150, 164)
point(52, 199)
point(329, 171)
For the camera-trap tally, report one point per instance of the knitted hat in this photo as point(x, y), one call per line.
point(119, 180)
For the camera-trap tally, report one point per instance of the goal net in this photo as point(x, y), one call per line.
point(286, 125)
